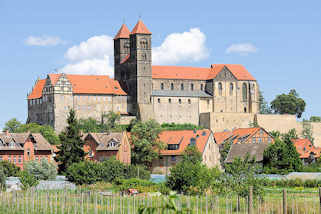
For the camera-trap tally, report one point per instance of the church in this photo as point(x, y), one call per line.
point(140, 89)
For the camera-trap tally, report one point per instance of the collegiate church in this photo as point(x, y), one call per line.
point(164, 93)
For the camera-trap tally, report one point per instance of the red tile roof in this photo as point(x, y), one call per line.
point(37, 90)
point(220, 137)
point(304, 147)
point(240, 72)
point(82, 84)
point(123, 33)
point(140, 28)
point(183, 138)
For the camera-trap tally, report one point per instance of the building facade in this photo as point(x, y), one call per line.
point(166, 93)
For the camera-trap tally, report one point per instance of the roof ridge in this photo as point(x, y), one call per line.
point(140, 28)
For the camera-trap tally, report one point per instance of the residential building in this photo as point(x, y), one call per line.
point(307, 151)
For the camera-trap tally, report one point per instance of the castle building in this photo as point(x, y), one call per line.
point(165, 93)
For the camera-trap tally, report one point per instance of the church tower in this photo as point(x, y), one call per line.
point(141, 57)
point(121, 49)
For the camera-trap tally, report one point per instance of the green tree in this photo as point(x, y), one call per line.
point(192, 154)
point(2, 179)
point(264, 106)
point(91, 125)
point(224, 150)
point(315, 119)
point(112, 119)
point(144, 136)
point(12, 125)
point(10, 169)
point(71, 148)
point(289, 104)
point(307, 131)
point(113, 170)
point(84, 172)
point(43, 170)
point(27, 180)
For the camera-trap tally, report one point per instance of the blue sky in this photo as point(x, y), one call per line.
point(279, 42)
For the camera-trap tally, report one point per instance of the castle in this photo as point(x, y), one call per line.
point(164, 93)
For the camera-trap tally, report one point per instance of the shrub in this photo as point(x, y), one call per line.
point(43, 170)
point(137, 171)
point(10, 170)
point(27, 180)
point(139, 184)
point(112, 170)
point(85, 172)
point(184, 126)
point(2, 179)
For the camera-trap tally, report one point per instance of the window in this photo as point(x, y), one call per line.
point(253, 140)
point(90, 153)
point(172, 86)
point(220, 89)
point(28, 152)
point(179, 101)
point(260, 140)
point(192, 87)
point(244, 92)
point(158, 100)
point(14, 159)
point(162, 86)
point(201, 87)
point(173, 158)
point(189, 101)
point(20, 159)
point(170, 100)
point(182, 87)
point(173, 146)
point(231, 89)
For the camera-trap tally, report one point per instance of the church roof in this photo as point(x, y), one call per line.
point(82, 84)
point(140, 28)
point(123, 33)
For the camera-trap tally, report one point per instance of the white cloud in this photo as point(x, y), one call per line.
point(241, 48)
point(43, 41)
point(179, 47)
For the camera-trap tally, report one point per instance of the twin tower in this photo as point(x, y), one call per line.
point(133, 68)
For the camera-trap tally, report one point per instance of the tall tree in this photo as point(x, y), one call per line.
point(192, 154)
point(264, 106)
point(71, 148)
point(315, 119)
point(289, 104)
point(12, 125)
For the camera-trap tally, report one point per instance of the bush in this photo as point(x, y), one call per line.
point(27, 180)
point(10, 170)
point(43, 170)
point(2, 179)
point(139, 184)
point(112, 170)
point(184, 126)
point(137, 171)
point(85, 172)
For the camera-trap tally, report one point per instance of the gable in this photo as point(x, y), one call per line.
point(225, 74)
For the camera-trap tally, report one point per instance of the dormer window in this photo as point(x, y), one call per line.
point(90, 153)
point(173, 147)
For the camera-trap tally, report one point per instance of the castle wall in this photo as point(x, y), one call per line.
point(197, 84)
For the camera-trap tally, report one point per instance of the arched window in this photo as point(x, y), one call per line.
point(189, 101)
point(158, 100)
point(201, 87)
point(170, 100)
point(253, 90)
point(172, 86)
point(244, 92)
point(220, 89)
point(192, 87)
point(182, 86)
point(231, 89)
point(179, 101)
point(162, 86)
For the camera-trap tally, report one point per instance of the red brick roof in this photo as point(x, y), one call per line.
point(220, 137)
point(82, 84)
point(304, 147)
point(240, 72)
point(123, 33)
point(140, 28)
point(37, 90)
point(183, 138)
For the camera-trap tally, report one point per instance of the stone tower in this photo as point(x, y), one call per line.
point(121, 49)
point(141, 70)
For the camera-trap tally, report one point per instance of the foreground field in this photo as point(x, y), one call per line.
point(81, 201)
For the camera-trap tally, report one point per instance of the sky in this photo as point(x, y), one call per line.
point(279, 42)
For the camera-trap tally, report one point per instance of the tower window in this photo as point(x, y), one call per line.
point(179, 101)
point(220, 89)
point(201, 87)
point(231, 89)
point(192, 87)
point(189, 101)
point(172, 86)
point(182, 86)
point(244, 92)
point(162, 86)
point(158, 100)
point(169, 100)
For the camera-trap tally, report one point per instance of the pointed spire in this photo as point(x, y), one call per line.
point(123, 33)
point(140, 28)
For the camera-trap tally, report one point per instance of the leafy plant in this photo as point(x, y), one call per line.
point(2, 179)
point(43, 170)
point(85, 172)
point(112, 170)
point(10, 169)
point(27, 180)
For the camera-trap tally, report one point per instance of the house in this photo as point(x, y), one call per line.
point(101, 146)
point(176, 143)
point(19, 148)
point(308, 152)
point(252, 141)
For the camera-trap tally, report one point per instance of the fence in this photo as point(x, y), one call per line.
point(85, 202)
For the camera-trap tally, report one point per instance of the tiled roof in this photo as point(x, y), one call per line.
point(140, 28)
point(242, 132)
point(304, 147)
point(183, 138)
point(103, 139)
point(239, 71)
point(220, 137)
point(41, 143)
point(168, 93)
point(123, 33)
point(255, 150)
point(20, 139)
point(37, 89)
point(82, 84)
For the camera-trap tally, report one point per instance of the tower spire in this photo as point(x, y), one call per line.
point(123, 32)
point(140, 28)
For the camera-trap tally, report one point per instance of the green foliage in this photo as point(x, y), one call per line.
point(144, 136)
point(27, 180)
point(315, 119)
point(43, 170)
point(184, 126)
point(293, 183)
point(85, 172)
point(192, 154)
point(139, 184)
point(137, 171)
point(112, 119)
point(12, 125)
point(113, 170)
point(289, 104)
point(71, 148)
point(224, 150)
point(108, 123)
point(307, 132)
point(91, 125)
point(10, 169)
point(2, 179)
point(264, 106)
